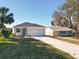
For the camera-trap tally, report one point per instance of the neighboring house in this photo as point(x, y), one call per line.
point(29, 29)
point(58, 31)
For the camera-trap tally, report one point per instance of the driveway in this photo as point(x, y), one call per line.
point(69, 48)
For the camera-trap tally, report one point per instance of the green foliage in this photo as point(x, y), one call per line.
point(5, 18)
point(5, 41)
point(6, 33)
point(2, 39)
point(11, 35)
point(0, 33)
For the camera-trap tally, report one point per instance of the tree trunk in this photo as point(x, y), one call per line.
point(76, 32)
point(2, 23)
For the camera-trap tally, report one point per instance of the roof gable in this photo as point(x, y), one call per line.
point(27, 24)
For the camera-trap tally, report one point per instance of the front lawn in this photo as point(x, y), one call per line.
point(30, 49)
point(73, 40)
point(75, 37)
point(6, 41)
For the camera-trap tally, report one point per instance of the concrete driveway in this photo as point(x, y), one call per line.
point(69, 48)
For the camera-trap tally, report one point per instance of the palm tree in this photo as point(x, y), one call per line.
point(5, 17)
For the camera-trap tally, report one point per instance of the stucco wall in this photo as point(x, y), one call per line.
point(48, 32)
point(28, 31)
point(56, 33)
point(17, 33)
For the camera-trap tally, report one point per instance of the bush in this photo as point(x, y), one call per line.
point(0, 34)
point(6, 33)
point(2, 39)
point(11, 35)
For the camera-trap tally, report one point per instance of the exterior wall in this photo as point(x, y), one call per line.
point(13, 30)
point(48, 32)
point(56, 33)
point(66, 33)
point(17, 33)
point(51, 32)
point(27, 31)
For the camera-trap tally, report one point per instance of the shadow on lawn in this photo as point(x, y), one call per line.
point(27, 49)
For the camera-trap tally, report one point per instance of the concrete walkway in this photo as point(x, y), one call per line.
point(69, 48)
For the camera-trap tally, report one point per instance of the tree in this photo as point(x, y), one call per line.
point(5, 17)
point(72, 12)
point(59, 19)
point(69, 15)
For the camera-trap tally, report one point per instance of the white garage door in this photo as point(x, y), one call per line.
point(36, 32)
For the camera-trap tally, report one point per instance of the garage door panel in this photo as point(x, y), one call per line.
point(36, 32)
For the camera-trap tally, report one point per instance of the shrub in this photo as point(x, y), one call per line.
point(6, 33)
point(0, 34)
point(11, 35)
point(2, 39)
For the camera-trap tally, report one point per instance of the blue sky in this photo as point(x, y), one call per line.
point(35, 11)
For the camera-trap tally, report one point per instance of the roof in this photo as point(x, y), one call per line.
point(59, 28)
point(27, 24)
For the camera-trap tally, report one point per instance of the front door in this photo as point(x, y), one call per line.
point(23, 32)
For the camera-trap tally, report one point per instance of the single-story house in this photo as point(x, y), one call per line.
point(29, 29)
point(58, 31)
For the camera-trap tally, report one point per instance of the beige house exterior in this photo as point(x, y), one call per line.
point(29, 29)
point(58, 31)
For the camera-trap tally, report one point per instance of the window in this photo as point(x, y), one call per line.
point(63, 32)
point(17, 30)
point(69, 32)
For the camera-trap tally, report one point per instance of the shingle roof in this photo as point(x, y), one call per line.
point(59, 28)
point(29, 25)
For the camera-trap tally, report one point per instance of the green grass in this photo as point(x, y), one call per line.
point(73, 40)
point(6, 41)
point(74, 37)
point(31, 49)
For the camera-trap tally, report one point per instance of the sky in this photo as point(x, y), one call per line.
point(34, 11)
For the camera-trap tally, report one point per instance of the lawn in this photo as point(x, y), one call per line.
point(73, 40)
point(75, 37)
point(6, 41)
point(30, 49)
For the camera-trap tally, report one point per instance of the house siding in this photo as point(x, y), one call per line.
point(48, 32)
point(18, 33)
point(56, 31)
point(27, 31)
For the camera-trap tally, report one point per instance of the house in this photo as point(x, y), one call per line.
point(58, 31)
point(29, 29)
